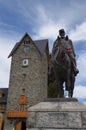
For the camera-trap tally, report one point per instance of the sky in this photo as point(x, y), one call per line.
point(42, 19)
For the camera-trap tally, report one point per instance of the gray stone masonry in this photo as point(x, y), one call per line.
point(32, 78)
point(62, 115)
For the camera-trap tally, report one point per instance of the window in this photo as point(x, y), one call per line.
point(25, 62)
point(26, 42)
point(26, 49)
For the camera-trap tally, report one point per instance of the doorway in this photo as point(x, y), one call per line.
point(21, 125)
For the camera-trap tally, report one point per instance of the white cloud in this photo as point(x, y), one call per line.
point(46, 26)
point(80, 87)
point(80, 92)
point(5, 48)
point(81, 62)
point(47, 31)
point(49, 22)
point(48, 18)
point(85, 102)
point(79, 33)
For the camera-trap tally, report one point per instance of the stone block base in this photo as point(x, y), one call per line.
point(53, 129)
point(57, 115)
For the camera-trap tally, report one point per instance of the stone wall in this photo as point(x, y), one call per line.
point(57, 116)
point(32, 78)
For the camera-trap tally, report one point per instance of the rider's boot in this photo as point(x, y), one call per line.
point(76, 71)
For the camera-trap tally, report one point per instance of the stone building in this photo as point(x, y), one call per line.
point(3, 103)
point(28, 80)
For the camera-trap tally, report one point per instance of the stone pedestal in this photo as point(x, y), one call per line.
point(57, 114)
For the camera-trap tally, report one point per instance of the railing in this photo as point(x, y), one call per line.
point(19, 114)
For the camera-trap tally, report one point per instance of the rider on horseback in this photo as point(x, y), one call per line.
point(67, 44)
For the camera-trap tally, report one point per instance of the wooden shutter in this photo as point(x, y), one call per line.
point(22, 100)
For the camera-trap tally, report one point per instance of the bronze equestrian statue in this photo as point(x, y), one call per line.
point(63, 64)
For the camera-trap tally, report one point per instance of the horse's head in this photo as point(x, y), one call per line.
point(61, 58)
point(59, 54)
point(62, 55)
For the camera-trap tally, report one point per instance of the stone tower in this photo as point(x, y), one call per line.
point(28, 77)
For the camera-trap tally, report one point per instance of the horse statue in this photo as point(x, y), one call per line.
point(62, 67)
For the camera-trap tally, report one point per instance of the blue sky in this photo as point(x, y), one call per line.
point(42, 19)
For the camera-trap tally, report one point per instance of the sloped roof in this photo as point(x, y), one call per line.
point(40, 45)
point(4, 91)
point(14, 49)
point(18, 44)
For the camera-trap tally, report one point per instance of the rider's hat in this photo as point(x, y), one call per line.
point(61, 31)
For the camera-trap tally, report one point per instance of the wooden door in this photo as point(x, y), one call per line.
point(1, 121)
point(0, 124)
point(18, 126)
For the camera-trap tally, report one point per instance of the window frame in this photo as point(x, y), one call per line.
point(25, 64)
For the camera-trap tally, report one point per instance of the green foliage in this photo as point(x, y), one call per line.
point(52, 90)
